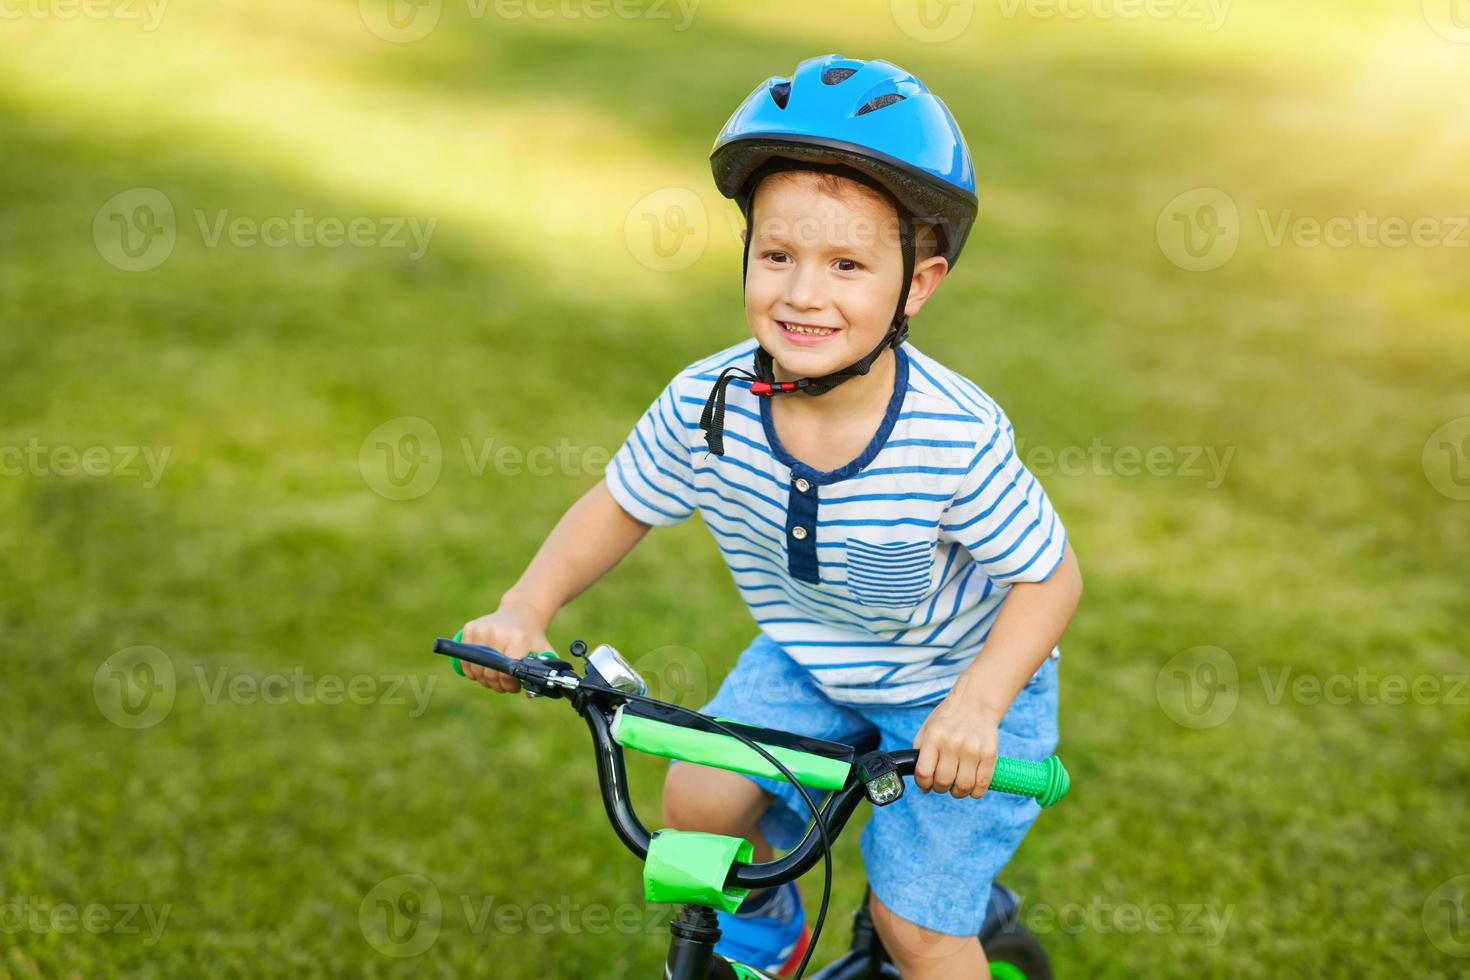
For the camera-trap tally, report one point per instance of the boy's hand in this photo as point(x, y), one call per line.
point(513, 629)
point(957, 745)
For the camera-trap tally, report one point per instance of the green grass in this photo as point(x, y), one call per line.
point(1322, 830)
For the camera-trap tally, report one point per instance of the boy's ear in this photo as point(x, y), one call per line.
point(928, 274)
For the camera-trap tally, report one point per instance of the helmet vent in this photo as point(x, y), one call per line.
point(780, 93)
point(834, 75)
point(880, 102)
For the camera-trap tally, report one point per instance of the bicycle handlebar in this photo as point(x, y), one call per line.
point(483, 656)
point(1045, 781)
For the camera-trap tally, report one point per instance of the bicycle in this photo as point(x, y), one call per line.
point(703, 872)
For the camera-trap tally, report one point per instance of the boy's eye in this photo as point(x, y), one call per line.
point(776, 256)
point(848, 265)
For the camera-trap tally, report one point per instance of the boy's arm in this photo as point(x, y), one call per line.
point(591, 537)
point(958, 742)
point(1032, 618)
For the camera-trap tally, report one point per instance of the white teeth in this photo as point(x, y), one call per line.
point(814, 331)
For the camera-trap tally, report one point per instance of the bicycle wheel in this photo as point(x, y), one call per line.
point(1016, 954)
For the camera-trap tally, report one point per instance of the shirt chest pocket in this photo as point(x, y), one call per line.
point(891, 574)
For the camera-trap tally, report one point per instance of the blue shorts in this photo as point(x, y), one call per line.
point(929, 857)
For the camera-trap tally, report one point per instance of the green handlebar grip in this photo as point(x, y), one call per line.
point(1045, 781)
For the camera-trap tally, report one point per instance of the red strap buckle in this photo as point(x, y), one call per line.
point(770, 388)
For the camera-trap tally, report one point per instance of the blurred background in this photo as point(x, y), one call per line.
point(315, 315)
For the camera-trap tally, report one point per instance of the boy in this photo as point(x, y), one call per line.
point(909, 576)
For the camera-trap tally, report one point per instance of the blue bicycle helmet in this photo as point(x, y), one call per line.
point(869, 121)
point(871, 116)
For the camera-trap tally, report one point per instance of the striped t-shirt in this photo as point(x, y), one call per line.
point(882, 578)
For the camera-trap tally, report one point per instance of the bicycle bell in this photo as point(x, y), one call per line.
point(616, 672)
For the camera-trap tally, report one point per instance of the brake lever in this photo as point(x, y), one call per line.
point(542, 674)
point(550, 678)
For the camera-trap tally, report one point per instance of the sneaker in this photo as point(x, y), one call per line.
point(770, 943)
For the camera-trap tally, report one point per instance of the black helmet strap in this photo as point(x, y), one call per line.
point(763, 380)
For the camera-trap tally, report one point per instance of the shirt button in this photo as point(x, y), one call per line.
point(799, 533)
point(803, 486)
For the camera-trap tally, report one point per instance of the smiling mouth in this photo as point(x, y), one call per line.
point(806, 329)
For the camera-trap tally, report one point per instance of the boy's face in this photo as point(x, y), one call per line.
point(824, 274)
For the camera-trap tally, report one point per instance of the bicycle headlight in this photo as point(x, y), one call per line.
point(880, 778)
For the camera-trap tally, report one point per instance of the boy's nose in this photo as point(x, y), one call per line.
point(804, 287)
